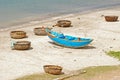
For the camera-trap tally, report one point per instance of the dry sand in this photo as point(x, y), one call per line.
point(106, 37)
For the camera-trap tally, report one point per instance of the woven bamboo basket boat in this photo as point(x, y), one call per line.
point(111, 18)
point(63, 23)
point(40, 31)
point(22, 45)
point(52, 69)
point(18, 34)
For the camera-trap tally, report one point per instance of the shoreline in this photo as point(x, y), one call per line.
point(36, 21)
point(19, 63)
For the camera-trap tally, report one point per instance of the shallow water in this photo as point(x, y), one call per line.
point(14, 10)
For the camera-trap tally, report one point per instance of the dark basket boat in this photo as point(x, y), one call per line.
point(17, 34)
point(63, 23)
point(52, 69)
point(111, 18)
point(22, 45)
point(40, 31)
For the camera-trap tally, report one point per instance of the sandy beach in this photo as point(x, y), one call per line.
point(106, 35)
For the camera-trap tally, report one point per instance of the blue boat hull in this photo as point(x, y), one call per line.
point(75, 43)
point(70, 44)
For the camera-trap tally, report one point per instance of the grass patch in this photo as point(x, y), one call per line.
point(90, 72)
point(115, 54)
point(39, 77)
point(94, 71)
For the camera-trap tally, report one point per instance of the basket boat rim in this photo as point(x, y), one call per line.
point(63, 21)
point(55, 67)
point(23, 42)
point(17, 31)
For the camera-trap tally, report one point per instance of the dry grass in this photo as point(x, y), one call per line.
point(90, 72)
point(39, 77)
point(94, 71)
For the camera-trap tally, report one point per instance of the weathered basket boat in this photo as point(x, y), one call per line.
point(67, 40)
point(22, 45)
point(52, 69)
point(63, 23)
point(18, 34)
point(111, 18)
point(40, 31)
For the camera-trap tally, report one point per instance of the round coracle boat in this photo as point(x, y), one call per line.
point(22, 45)
point(63, 23)
point(52, 69)
point(111, 18)
point(18, 34)
point(40, 31)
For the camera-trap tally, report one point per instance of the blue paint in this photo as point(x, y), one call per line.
point(74, 42)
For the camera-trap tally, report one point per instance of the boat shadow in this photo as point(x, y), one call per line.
point(87, 47)
point(60, 46)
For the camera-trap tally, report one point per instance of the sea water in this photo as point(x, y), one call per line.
point(15, 10)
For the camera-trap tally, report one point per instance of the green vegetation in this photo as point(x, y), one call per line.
point(115, 54)
point(90, 72)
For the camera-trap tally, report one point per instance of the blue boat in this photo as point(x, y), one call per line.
point(67, 40)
